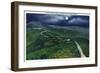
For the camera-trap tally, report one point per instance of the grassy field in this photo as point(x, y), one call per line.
point(50, 43)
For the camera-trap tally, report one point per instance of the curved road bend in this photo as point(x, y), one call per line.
point(80, 50)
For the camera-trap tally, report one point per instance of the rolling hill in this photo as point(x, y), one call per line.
point(49, 41)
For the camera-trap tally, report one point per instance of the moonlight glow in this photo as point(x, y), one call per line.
point(66, 17)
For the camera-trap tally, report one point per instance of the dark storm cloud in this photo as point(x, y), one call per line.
point(60, 20)
point(50, 18)
point(77, 20)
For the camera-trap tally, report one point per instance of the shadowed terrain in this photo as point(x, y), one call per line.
point(50, 42)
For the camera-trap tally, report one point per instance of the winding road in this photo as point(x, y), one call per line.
point(42, 33)
point(76, 43)
point(80, 50)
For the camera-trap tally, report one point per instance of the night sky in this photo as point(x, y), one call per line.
point(59, 20)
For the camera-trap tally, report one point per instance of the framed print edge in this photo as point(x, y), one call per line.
point(15, 35)
point(96, 36)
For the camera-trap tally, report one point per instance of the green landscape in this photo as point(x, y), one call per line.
point(55, 43)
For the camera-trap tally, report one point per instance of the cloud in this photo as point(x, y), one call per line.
point(77, 20)
point(51, 18)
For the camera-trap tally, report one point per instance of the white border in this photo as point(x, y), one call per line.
point(55, 62)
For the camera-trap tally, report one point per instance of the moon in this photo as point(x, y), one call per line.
point(66, 18)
